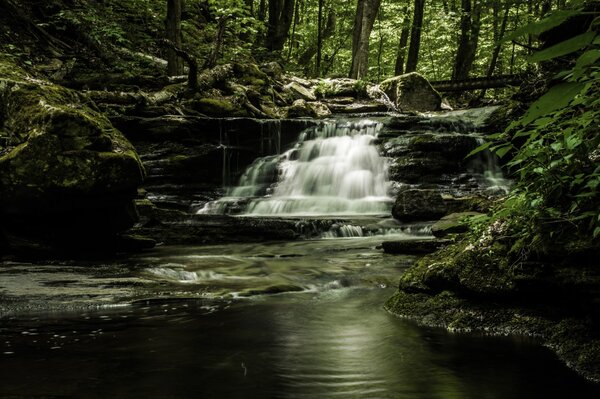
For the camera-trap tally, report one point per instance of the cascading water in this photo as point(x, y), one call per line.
point(487, 165)
point(333, 169)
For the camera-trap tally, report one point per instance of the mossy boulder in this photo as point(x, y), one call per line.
point(218, 107)
point(412, 92)
point(454, 223)
point(481, 284)
point(419, 204)
point(63, 163)
point(299, 92)
point(311, 109)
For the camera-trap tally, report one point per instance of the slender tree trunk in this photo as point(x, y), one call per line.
point(498, 46)
point(366, 12)
point(415, 36)
point(399, 67)
point(212, 59)
point(295, 24)
point(467, 48)
point(311, 49)
point(173, 34)
point(262, 10)
point(380, 47)
point(498, 36)
point(446, 7)
point(250, 6)
point(319, 39)
point(281, 13)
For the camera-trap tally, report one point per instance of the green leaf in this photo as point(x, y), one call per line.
point(588, 58)
point(477, 150)
point(502, 150)
point(563, 48)
point(557, 97)
point(552, 21)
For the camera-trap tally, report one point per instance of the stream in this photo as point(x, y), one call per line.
point(285, 319)
point(195, 322)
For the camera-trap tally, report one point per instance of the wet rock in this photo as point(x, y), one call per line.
point(411, 92)
point(454, 223)
point(271, 289)
point(301, 108)
point(67, 173)
point(340, 87)
point(299, 92)
point(419, 204)
point(357, 108)
point(218, 107)
point(482, 284)
point(413, 247)
point(272, 69)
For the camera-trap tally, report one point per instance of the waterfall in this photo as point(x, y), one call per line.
point(333, 169)
point(486, 164)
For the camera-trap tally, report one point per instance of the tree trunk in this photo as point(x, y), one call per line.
point(212, 59)
point(498, 36)
point(281, 13)
point(366, 12)
point(469, 37)
point(415, 36)
point(262, 10)
point(250, 6)
point(319, 39)
point(310, 51)
point(399, 68)
point(173, 34)
point(296, 21)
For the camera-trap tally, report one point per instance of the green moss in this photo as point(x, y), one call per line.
point(61, 144)
point(217, 107)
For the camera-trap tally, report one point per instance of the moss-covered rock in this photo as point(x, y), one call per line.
point(312, 109)
point(64, 162)
point(218, 107)
point(411, 92)
point(481, 284)
point(454, 223)
point(419, 204)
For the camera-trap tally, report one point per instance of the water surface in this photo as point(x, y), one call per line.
point(195, 322)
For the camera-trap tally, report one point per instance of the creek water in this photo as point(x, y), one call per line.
point(300, 319)
point(197, 322)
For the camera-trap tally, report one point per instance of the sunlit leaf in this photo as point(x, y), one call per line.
point(552, 21)
point(565, 47)
point(557, 97)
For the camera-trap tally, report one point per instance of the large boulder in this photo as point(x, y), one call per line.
point(311, 109)
point(299, 92)
point(425, 204)
point(66, 174)
point(419, 204)
point(411, 92)
point(454, 223)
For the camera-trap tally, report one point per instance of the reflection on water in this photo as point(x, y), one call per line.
point(332, 344)
point(187, 331)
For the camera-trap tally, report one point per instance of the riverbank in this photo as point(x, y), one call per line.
point(476, 285)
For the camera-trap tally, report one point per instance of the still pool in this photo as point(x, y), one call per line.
point(275, 320)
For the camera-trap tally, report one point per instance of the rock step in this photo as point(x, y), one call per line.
point(414, 247)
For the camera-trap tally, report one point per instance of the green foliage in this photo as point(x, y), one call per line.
point(99, 28)
point(556, 151)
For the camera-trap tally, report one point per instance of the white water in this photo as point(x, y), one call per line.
point(333, 169)
point(487, 164)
